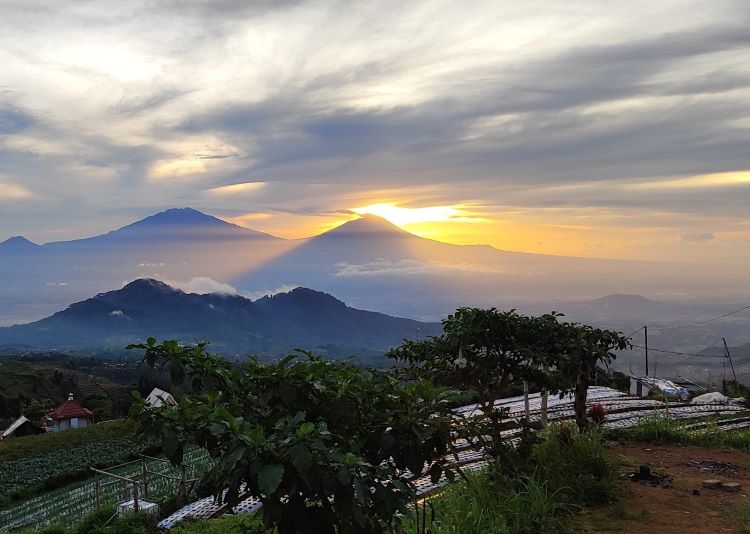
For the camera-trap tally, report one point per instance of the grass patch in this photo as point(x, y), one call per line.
point(741, 516)
point(567, 471)
point(224, 525)
point(659, 429)
point(488, 502)
point(576, 465)
point(102, 522)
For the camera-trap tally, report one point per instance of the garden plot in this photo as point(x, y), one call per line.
point(69, 505)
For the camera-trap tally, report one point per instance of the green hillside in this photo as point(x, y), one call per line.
point(49, 384)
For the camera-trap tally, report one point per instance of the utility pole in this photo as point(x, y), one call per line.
point(729, 355)
point(645, 335)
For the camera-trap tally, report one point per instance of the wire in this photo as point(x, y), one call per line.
point(634, 333)
point(672, 351)
point(704, 322)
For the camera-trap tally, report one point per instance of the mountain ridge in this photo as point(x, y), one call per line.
point(269, 326)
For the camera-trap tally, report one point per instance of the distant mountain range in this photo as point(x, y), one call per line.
point(270, 326)
point(368, 262)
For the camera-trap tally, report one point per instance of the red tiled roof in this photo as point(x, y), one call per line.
point(70, 409)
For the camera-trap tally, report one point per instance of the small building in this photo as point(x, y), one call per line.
point(21, 427)
point(159, 397)
point(69, 415)
point(644, 385)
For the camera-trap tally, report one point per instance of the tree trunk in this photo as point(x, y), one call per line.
point(526, 400)
point(545, 399)
point(581, 392)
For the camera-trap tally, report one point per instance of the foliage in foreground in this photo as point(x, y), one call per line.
point(323, 444)
point(660, 429)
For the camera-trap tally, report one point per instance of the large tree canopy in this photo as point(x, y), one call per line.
point(487, 350)
point(325, 445)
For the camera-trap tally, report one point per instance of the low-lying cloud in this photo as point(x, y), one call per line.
point(203, 285)
point(410, 267)
point(259, 294)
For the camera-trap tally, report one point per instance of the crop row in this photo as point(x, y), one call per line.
point(50, 469)
point(69, 504)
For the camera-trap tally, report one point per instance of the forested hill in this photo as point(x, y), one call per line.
point(271, 326)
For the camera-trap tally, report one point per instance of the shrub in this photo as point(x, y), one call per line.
point(575, 464)
point(324, 445)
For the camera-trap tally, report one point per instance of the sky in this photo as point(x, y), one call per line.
point(589, 128)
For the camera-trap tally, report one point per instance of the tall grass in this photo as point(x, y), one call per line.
point(485, 503)
point(576, 465)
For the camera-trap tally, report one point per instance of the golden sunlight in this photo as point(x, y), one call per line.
point(406, 216)
point(236, 188)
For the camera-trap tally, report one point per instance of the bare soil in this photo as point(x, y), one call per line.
point(680, 503)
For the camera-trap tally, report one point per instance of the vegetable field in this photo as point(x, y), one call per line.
point(44, 468)
point(69, 504)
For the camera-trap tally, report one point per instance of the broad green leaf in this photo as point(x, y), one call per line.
point(269, 478)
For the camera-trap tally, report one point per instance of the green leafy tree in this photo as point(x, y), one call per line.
point(487, 350)
point(575, 350)
point(326, 446)
point(100, 405)
point(483, 350)
point(34, 411)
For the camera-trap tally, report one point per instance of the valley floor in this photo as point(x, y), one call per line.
point(674, 507)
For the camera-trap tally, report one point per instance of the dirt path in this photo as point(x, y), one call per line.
point(674, 506)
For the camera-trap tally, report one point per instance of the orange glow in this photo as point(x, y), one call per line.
point(401, 216)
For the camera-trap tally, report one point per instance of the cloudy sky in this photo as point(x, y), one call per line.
point(596, 128)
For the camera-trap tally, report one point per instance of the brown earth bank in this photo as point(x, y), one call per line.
point(677, 503)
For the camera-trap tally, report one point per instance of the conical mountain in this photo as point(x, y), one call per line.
point(169, 227)
point(17, 244)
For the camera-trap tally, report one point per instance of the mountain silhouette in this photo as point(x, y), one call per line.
point(18, 244)
point(270, 326)
point(168, 227)
point(368, 262)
